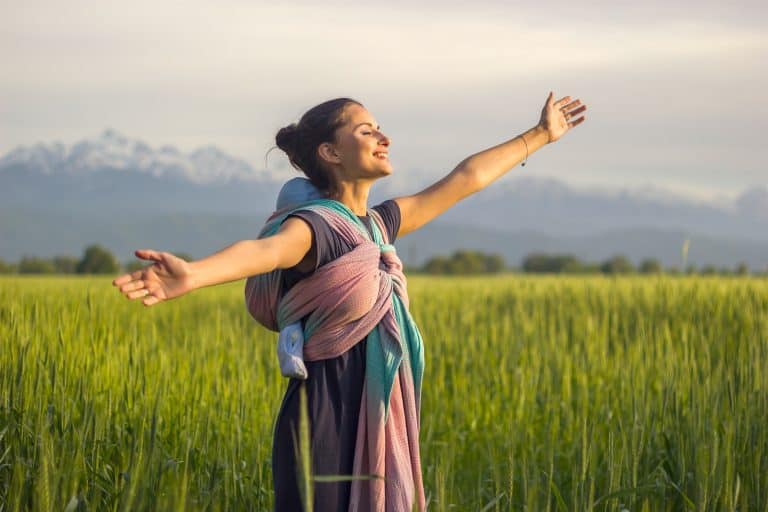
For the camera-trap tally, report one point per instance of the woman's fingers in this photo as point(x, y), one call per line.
point(573, 104)
point(121, 279)
point(125, 278)
point(572, 113)
point(576, 122)
point(569, 108)
point(141, 288)
point(150, 301)
point(137, 294)
point(149, 254)
point(133, 285)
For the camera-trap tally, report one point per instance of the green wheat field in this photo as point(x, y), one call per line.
point(540, 393)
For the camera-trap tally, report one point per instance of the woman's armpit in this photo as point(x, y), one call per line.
point(295, 232)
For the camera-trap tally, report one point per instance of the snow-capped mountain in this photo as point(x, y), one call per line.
point(110, 171)
point(114, 151)
point(55, 197)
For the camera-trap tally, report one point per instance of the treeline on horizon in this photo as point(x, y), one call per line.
point(99, 260)
point(94, 260)
point(475, 262)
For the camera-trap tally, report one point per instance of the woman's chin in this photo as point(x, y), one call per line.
point(382, 170)
point(387, 169)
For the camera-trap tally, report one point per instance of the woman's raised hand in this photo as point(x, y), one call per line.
point(167, 278)
point(557, 117)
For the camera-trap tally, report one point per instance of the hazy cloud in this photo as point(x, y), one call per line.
point(672, 90)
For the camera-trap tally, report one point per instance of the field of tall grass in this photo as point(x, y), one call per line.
point(540, 393)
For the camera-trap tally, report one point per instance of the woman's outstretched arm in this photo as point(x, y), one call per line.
point(170, 277)
point(477, 171)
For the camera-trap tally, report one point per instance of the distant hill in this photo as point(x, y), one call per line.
point(551, 207)
point(122, 192)
point(47, 233)
point(637, 244)
point(199, 234)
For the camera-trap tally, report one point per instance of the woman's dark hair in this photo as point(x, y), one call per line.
point(300, 140)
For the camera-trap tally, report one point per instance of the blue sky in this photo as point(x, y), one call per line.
point(675, 93)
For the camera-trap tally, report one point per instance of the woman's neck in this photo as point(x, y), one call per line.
point(354, 195)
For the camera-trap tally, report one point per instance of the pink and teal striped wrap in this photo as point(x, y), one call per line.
point(360, 295)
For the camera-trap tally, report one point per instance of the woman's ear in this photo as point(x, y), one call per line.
point(327, 152)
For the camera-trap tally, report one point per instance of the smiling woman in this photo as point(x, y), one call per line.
point(325, 265)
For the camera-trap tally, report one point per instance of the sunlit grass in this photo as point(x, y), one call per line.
point(546, 393)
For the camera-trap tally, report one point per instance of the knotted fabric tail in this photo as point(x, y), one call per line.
point(387, 451)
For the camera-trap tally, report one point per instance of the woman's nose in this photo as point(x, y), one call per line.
point(384, 140)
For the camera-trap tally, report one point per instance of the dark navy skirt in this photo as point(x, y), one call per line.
point(334, 390)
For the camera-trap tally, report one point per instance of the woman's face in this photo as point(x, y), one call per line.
point(361, 147)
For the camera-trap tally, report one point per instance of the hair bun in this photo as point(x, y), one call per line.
point(287, 139)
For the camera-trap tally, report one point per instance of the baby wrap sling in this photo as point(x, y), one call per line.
point(361, 294)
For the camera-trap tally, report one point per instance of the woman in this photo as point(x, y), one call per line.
point(359, 425)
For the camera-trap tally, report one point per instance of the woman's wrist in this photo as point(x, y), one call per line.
point(195, 278)
point(538, 136)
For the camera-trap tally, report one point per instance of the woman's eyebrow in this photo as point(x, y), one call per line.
point(369, 124)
